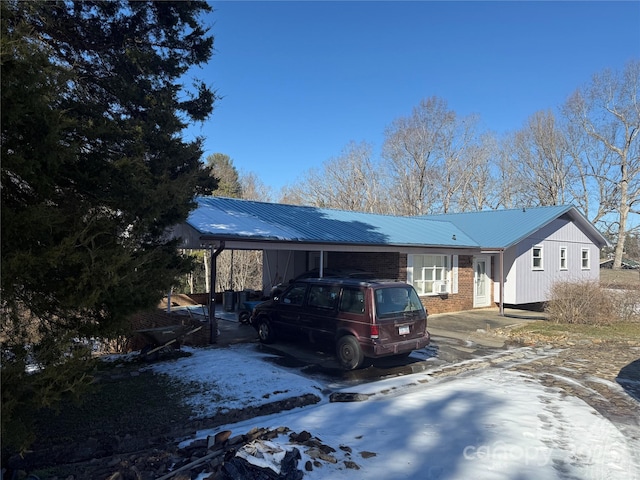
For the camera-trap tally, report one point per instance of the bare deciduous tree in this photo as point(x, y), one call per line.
point(482, 188)
point(350, 181)
point(462, 165)
point(544, 168)
point(607, 113)
point(254, 189)
point(506, 177)
point(239, 270)
point(431, 158)
point(411, 149)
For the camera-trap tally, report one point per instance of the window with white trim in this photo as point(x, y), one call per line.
point(429, 274)
point(536, 257)
point(563, 258)
point(585, 259)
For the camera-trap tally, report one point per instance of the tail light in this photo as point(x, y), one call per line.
point(375, 331)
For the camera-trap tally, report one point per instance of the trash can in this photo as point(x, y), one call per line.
point(243, 296)
point(227, 300)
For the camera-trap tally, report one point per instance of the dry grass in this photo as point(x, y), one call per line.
point(615, 332)
point(619, 278)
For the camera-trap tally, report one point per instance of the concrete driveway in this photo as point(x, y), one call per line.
point(455, 337)
point(471, 325)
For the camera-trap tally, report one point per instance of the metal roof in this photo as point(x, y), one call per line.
point(230, 218)
point(505, 228)
point(235, 219)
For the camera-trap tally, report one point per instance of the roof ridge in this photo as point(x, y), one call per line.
point(524, 209)
point(262, 202)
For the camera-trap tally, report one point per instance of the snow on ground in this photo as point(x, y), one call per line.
point(234, 377)
point(494, 424)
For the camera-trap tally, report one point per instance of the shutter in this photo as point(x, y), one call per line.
point(454, 274)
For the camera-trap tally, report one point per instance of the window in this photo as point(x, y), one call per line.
point(563, 258)
point(323, 296)
point(295, 295)
point(537, 257)
point(396, 300)
point(352, 300)
point(585, 259)
point(429, 274)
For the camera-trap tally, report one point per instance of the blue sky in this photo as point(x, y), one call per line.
point(299, 80)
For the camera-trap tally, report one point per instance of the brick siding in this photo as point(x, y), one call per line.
point(388, 265)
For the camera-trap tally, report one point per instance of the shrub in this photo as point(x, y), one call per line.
point(626, 302)
point(583, 302)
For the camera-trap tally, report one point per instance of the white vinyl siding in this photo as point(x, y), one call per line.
point(429, 274)
point(525, 285)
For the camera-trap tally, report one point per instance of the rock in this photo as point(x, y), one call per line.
point(316, 453)
point(351, 465)
point(300, 437)
point(348, 397)
point(221, 437)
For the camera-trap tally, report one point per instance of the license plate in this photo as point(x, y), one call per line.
point(403, 330)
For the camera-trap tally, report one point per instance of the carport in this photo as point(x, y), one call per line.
point(220, 224)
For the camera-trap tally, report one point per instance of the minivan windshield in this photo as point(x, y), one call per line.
point(397, 300)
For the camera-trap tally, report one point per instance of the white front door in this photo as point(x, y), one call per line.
point(481, 282)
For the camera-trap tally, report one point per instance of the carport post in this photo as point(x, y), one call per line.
point(213, 322)
point(502, 282)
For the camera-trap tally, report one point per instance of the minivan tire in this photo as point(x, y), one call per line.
point(265, 331)
point(349, 353)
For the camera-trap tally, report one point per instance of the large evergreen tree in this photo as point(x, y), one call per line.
point(94, 170)
point(223, 169)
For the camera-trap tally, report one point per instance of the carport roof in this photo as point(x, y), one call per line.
point(220, 218)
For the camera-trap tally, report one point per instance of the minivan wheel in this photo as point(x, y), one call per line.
point(265, 332)
point(349, 352)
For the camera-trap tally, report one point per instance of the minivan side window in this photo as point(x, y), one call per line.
point(352, 300)
point(295, 295)
point(323, 296)
point(391, 301)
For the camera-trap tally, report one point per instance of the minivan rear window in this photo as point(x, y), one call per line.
point(396, 300)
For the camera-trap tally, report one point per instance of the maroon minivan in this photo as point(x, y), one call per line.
point(364, 318)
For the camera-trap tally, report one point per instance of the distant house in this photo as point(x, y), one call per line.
point(456, 262)
point(627, 263)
